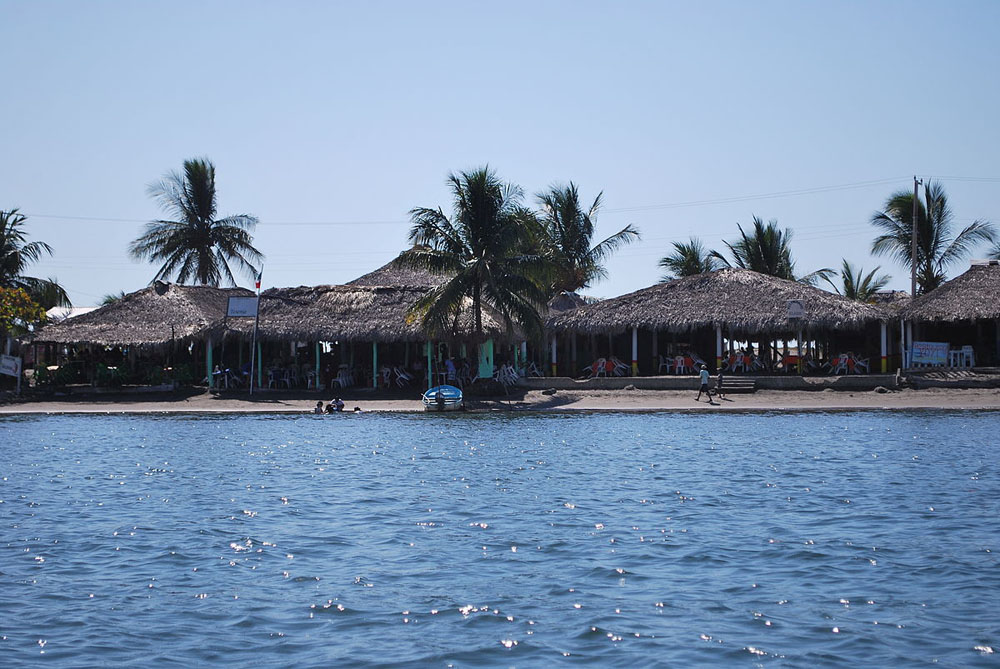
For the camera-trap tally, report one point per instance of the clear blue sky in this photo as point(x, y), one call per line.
point(329, 121)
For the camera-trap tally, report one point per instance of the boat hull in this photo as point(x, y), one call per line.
point(443, 398)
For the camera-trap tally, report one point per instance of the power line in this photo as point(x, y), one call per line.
point(637, 208)
point(760, 196)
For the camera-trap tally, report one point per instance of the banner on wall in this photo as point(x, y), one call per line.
point(929, 353)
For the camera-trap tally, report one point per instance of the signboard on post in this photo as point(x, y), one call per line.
point(930, 353)
point(10, 365)
point(796, 309)
point(242, 307)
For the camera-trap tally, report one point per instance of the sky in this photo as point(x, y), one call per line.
point(329, 121)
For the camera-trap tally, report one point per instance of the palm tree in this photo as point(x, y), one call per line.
point(196, 246)
point(936, 248)
point(857, 285)
point(17, 253)
point(566, 231)
point(484, 249)
point(688, 259)
point(767, 250)
point(112, 298)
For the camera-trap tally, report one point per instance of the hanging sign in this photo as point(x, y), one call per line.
point(796, 309)
point(242, 307)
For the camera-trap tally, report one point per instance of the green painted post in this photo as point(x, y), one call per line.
point(208, 363)
point(374, 364)
point(486, 359)
point(316, 383)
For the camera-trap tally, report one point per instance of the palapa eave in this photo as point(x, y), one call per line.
point(738, 300)
point(974, 295)
point(152, 316)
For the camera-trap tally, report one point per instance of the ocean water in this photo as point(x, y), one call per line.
point(662, 539)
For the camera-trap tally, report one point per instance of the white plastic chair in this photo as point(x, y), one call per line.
point(665, 363)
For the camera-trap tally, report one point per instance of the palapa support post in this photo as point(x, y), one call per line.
point(656, 352)
point(374, 364)
point(572, 353)
point(635, 350)
point(885, 358)
point(718, 347)
point(319, 349)
point(430, 377)
point(909, 340)
point(260, 365)
point(798, 351)
point(208, 363)
point(554, 360)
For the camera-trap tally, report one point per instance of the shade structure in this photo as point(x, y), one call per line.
point(974, 295)
point(158, 314)
point(735, 299)
point(352, 313)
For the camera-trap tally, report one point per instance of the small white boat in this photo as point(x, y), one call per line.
point(443, 398)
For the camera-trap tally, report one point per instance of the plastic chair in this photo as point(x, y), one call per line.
point(665, 362)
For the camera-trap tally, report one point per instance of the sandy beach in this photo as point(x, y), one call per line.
point(534, 400)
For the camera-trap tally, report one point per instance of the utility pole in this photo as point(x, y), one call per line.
point(913, 240)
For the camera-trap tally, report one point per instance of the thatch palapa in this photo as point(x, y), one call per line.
point(357, 313)
point(972, 296)
point(155, 315)
point(738, 300)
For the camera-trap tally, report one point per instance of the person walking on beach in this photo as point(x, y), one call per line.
point(704, 383)
point(718, 386)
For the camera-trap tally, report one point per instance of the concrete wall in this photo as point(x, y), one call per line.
point(790, 382)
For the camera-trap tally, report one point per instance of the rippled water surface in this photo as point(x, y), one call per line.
point(863, 539)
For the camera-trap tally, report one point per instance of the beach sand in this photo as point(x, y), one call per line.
point(563, 400)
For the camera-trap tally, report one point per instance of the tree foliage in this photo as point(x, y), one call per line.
point(196, 246)
point(937, 248)
point(485, 249)
point(856, 285)
point(688, 258)
point(767, 249)
point(566, 230)
point(18, 310)
point(17, 254)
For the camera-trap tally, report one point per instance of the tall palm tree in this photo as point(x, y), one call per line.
point(936, 248)
point(196, 246)
point(566, 232)
point(688, 259)
point(856, 285)
point(484, 249)
point(767, 249)
point(17, 253)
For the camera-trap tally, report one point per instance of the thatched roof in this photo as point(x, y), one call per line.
point(346, 313)
point(892, 302)
point(970, 296)
point(154, 315)
point(395, 274)
point(565, 301)
point(737, 299)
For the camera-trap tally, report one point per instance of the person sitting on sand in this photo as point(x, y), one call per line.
point(704, 383)
point(319, 407)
